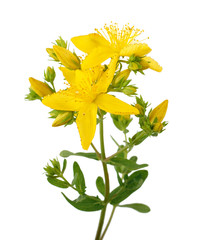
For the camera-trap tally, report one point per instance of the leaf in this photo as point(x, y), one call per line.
point(100, 185)
point(142, 208)
point(132, 183)
point(86, 203)
point(128, 164)
point(64, 165)
point(79, 180)
point(58, 183)
point(66, 153)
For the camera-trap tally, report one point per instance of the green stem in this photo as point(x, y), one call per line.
point(106, 176)
point(141, 137)
point(126, 140)
point(96, 151)
point(70, 185)
point(108, 223)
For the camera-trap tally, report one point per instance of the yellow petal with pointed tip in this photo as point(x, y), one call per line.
point(86, 124)
point(97, 56)
point(69, 75)
point(107, 76)
point(148, 62)
point(113, 105)
point(87, 43)
point(63, 100)
point(67, 58)
point(40, 88)
point(139, 50)
point(159, 112)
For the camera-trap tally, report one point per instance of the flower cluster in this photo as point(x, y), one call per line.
point(89, 81)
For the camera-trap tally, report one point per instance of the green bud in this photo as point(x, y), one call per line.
point(141, 103)
point(133, 66)
point(49, 75)
point(121, 121)
point(52, 54)
point(50, 171)
point(130, 90)
point(61, 43)
point(31, 96)
point(56, 165)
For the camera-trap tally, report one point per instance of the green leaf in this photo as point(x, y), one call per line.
point(58, 183)
point(66, 153)
point(64, 165)
point(100, 185)
point(128, 164)
point(142, 208)
point(86, 203)
point(132, 183)
point(79, 180)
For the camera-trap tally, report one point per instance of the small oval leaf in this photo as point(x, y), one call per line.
point(58, 183)
point(100, 185)
point(79, 180)
point(66, 153)
point(142, 208)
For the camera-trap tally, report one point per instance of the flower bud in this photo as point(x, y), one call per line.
point(134, 66)
point(148, 62)
point(159, 112)
point(67, 58)
point(121, 121)
point(40, 88)
point(129, 90)
point(140, 108)
point(49, 75)
point(52, 54)
point(62, 118)
point(61, 43)
point(158, 127)
point(121, 76)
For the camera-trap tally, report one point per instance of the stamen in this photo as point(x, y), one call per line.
point(119, 38)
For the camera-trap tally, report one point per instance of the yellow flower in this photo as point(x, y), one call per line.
point(40, 88)
point(157, 115)
point(108, 42)
point(86, 93)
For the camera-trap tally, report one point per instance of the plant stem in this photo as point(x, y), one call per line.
point(96, 151)
point(108, 223)
point(106, 176)
point(126, 140)
point(70, 185)
point(143, 136)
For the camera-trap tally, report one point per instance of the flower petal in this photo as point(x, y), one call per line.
point(87, 43)
point(69, 75)
point(148, 62)
point(97, 56)
point(67, 58)
point(63, 100)
point(113, 105)
point(107, 76)
point(139, 50)
point(86, 124)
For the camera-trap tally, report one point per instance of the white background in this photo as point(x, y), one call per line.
point(177, 189)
